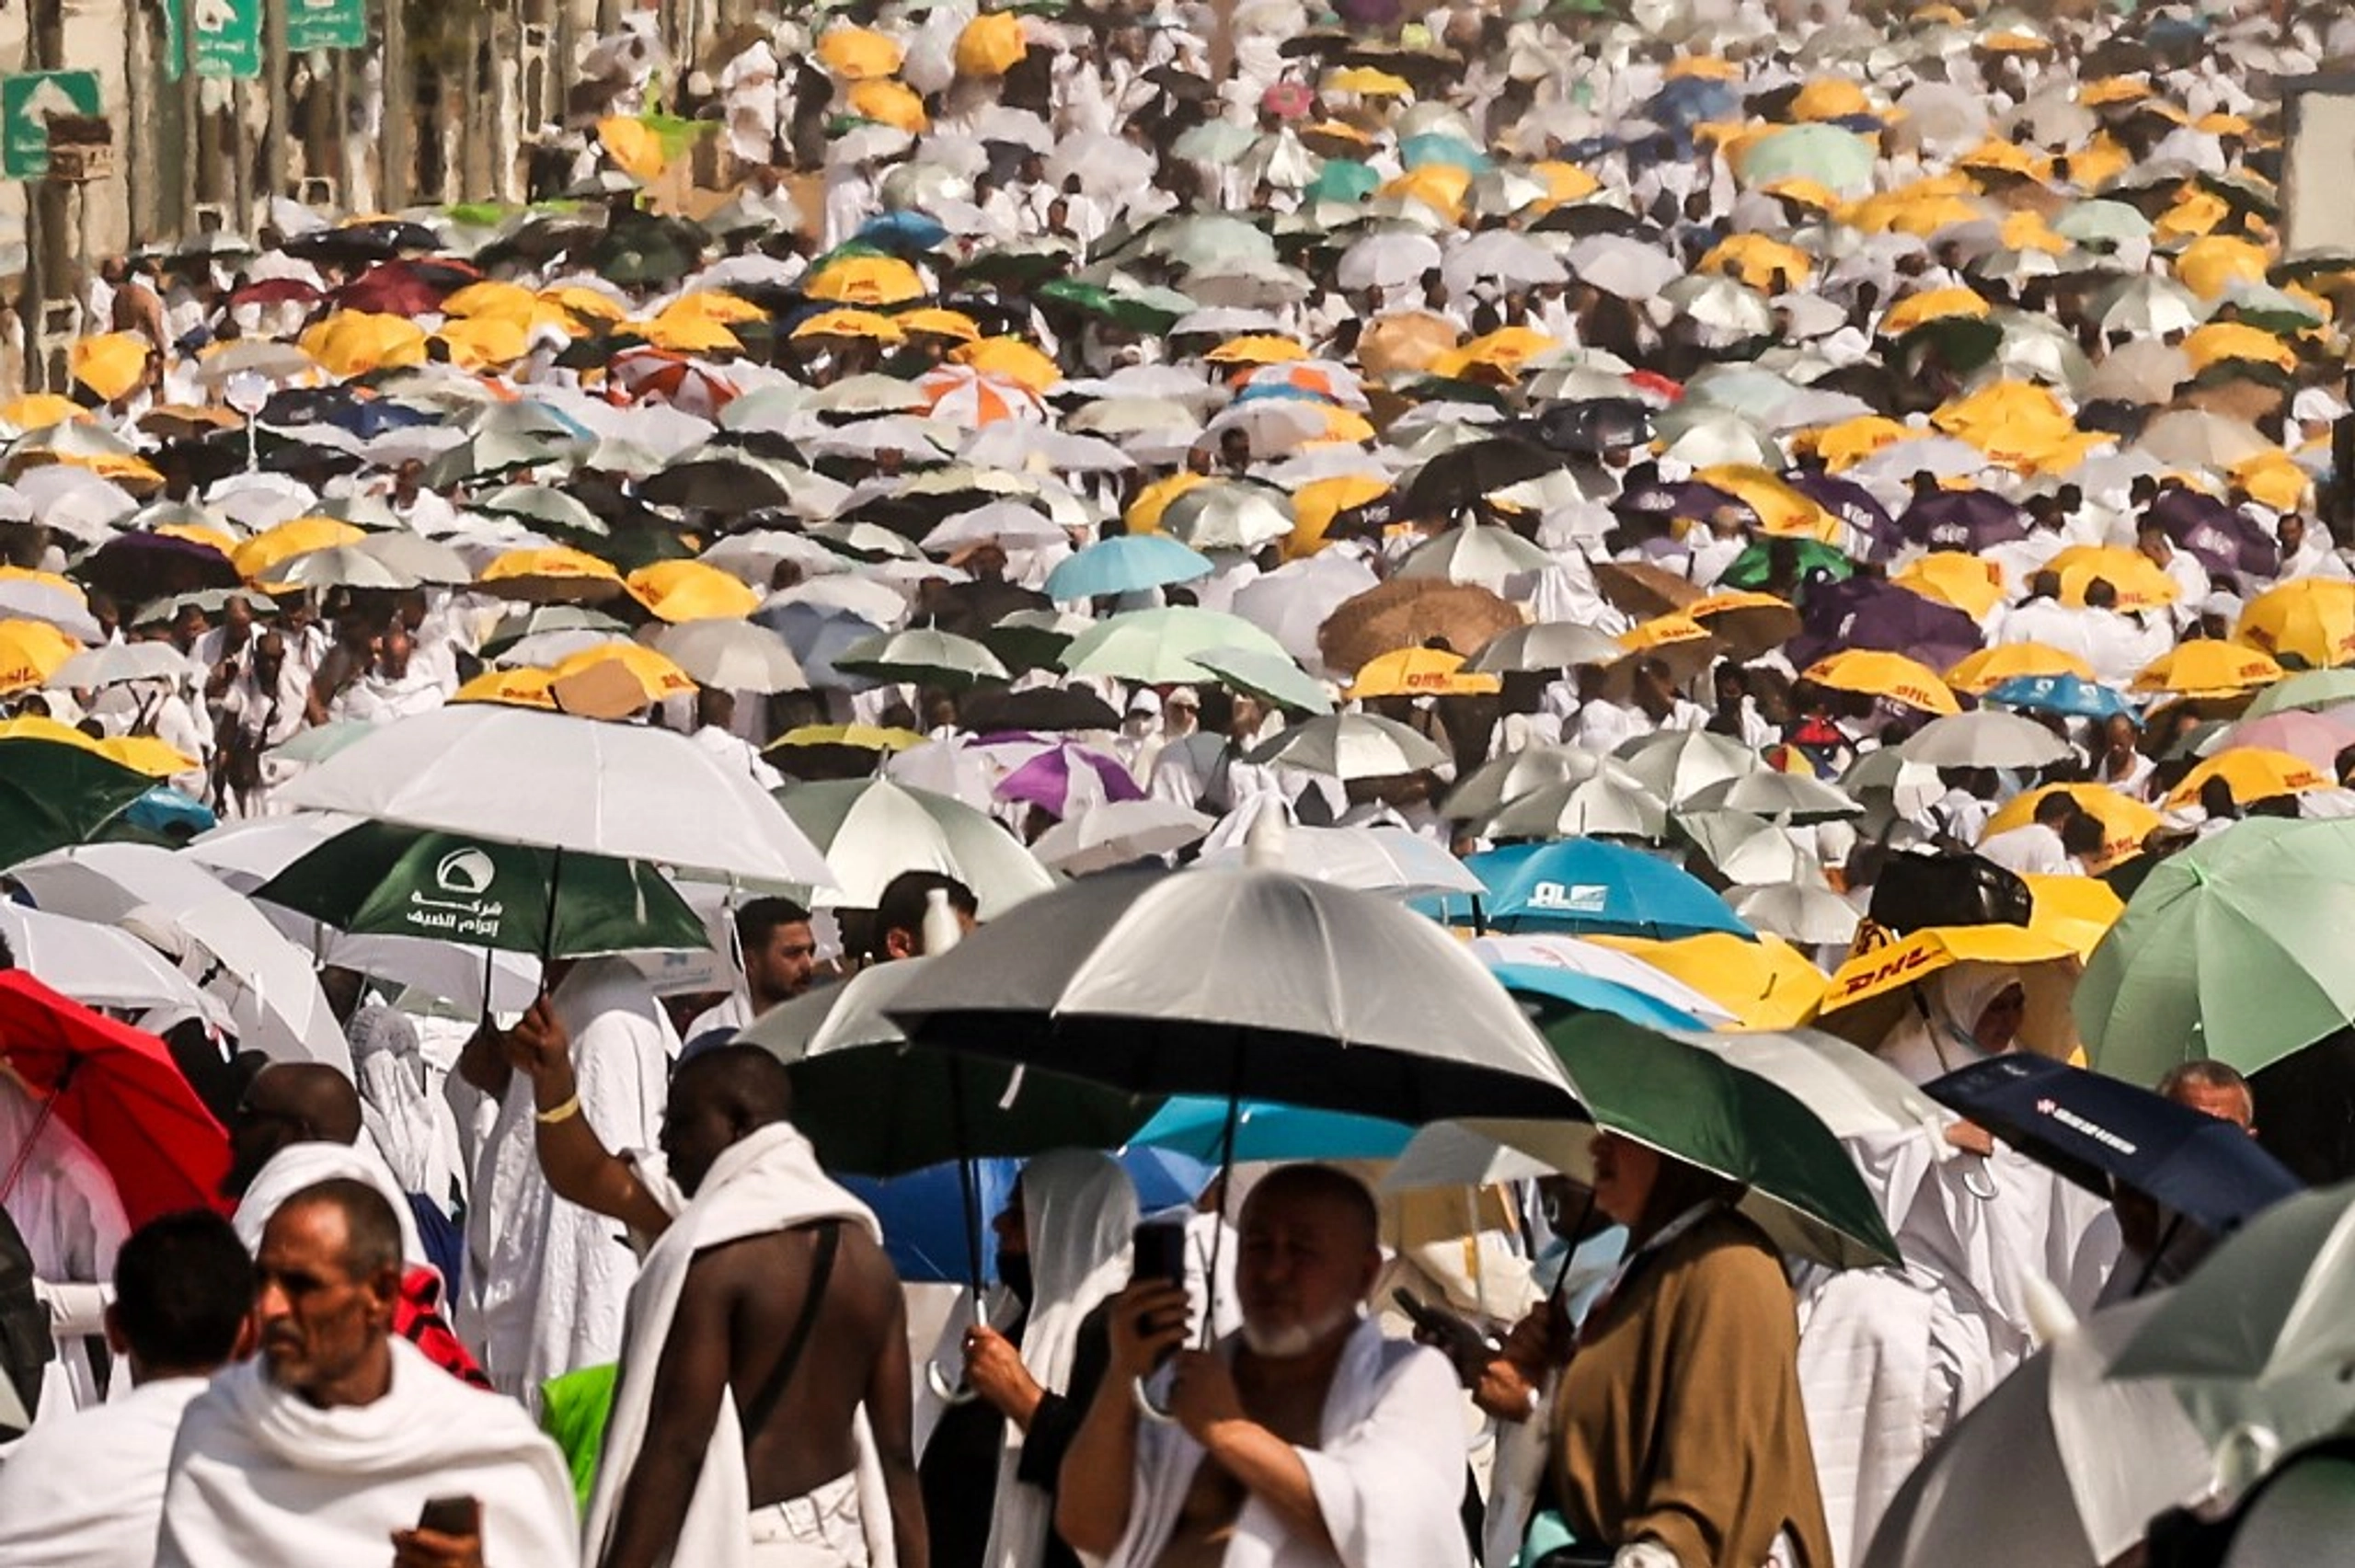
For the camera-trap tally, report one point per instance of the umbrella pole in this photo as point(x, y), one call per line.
point(548, 922)
point(33, 1136)
point(956, 1390)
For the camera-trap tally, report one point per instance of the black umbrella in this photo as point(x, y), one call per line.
point(1040, 707)
point(1450, 482)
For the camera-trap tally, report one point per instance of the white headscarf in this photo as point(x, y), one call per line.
point(1940, 1035)
point(1079, 1211)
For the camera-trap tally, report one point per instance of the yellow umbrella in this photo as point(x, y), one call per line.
point(551, 574)
point(219, 539)
point(1887, 969)
point(1934, 305)
point(1805, 193)
point(866, 280)
point(1011, 358)
point(111, 364)
point(49, 580)
point(857, 736)
point(2125, 821)
point(1990, 667)
point(582, 303)
point(1143, 515)
point(1849, 442)
point(2140, 583)
point(2078, 910)
point(1316, 504)
point(690, 334)
point(1708, 65)
point(890, 103)
point(991, 45)
point(1421, 672)
point(31, 652)
point(2015, 40)
point(2027, 229)
point(2252, 773)
point(1259, 349)
point(2015, 423)
point(1507, 348)
point(635, 146)
point(1891, 676)
point(1440, 186)
point(857, 54)
point(41, 727)
point(485, 341)
point(2206, 668)
point(38, 410)
point(298, 536)
point(2210, 266)
point(713, 304)
point(134, 474)
point(1367, 83)
point(863, 326)
point(1783, 511)
point(490, 296)
point(691, 591)
point(2113, 90)
point(1766, 984)
point(1913, 211)
point(146, 754)
point(2236, 340)
point(1831, 97)
point(2195, 213)
point(1966, 582)
point(510, 688)
point(1564, 182)
point(615, 680)
point(2274, 477)
point(2098, 163)
point(2309, 618)
point(936, 321)
point(1757, 258)
point(2001, 157)
point(355, 342)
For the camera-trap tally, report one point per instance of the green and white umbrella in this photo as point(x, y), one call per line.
point(923, 656)
point(374, 879)
point(1158, 647)
point(1351, 746)
point(872, 830)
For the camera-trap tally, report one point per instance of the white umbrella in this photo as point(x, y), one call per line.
point(1228, 515)
point(101, 966)
point(523, 777)
point(1547, 645)
point(1503, 257)
point(1984, 738)
point(1389, 861)
point(1485, 555)
point(341, 566)
point(1607, 803)
point(732, 655)
point(1765, 792)
point(872, 830)
point(1351, 746)
point(1387, 260)
point(1745, 849)
point(115, 664)
point(1677, 765)
point(1810, 914)
point(264, 979)
point(1627, 267)
point(30, 599)
point(1117, 832)
point(1291, 602)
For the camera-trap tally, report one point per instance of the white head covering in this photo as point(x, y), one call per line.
point(1078, 1212)
point(1938, 1035)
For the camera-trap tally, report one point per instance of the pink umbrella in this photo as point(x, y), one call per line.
point(2319, 737)
point(1065, 780)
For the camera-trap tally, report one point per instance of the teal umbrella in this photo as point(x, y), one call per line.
point(1197, 1125)
point(52, 796)
point(1343, 179)
point(378, 879)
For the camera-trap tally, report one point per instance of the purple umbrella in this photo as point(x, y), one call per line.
point(1865, 613)
point(1063, 779)
point(1968, 520)
point(1853, 505)
point(1658, 501)
point(2225, 539)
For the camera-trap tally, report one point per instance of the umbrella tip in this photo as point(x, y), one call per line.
point(941, 929)
point(2050, 1316)
point(1263, 849)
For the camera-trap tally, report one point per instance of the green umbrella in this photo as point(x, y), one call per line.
point(1751, 568)
point(1343, 179)
point(1705, 1109)
point(2274, 1303)
point(2235, 949)
point(2314, 690)
point(378, 879)
point(1158, 646)
point(1825, 154)
point(887, 1110)
point(1267, 676)
point(52, 796)
point(926, 656)
point(1033, 639)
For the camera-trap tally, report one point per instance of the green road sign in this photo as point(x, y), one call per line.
point(325, 23)
point(26, 104)
point(225, 37)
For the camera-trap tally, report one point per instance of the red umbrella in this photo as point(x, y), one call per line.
point(277, 291)
point(403, 288)
point(119, 1089)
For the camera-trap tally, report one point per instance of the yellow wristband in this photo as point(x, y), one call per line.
point(563, 1112)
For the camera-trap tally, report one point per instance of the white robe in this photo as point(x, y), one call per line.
point(65, 1207)
point(1387, 1472)
point(547, 1281)
point(86, 1492)
point(261, 1477)
point(768, 1182)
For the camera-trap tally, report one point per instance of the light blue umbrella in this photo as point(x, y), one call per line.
point(1196, 1125)
point(1129, 563)
point(1588, 887)
point(1419, 152)
point(1594, 994)
point(2067, 695)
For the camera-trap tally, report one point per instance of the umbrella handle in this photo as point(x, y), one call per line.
point(948, 1390)
point(1147, 1408)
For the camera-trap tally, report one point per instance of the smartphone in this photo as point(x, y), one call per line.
point(458, 1515)
point(1462, 1344)
point(1160, 1253)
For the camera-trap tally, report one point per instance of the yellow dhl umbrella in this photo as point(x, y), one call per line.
point(1913, 211)
point(2220, 340)
point(2113, 90)
point(890, 103)
point(2001, 157)
point(355, 342)
point(1849, 442)
point(635, 146)
point(713, 304)
point(146, 754)
point(2310, 619)
point(219, 539)
point(31, 652)
point(866, 280)
point(2206, 668)
point(484, 342)
point(1990, 667)
point(1708, 65)
point(937, 321)
point(2098, 163)
point(582, 303)
point(1440, 186)
point(615, 680)
point(691, 591)
point(1316, 504)
point(490, 296)
point(1934, 305)
point(1258, 348)
point(1507, 348)
point(857, 736)
point(2140, 583)
point(2026, 230)
point(2019, 425)
point(44, 728)
point(856, 325)
point(1831, 97)
point(1783, 511)
point(1766, 984)
point(2195, 213)
point(1810, 193)
point(38, 410)
point(551, 574)
point(1967, 583)
point(298, 536)
point(1673, 630)
point(111, 364)
point(1891, 676)
point(2273, 477)
point(857, 54)
point(1010, 359)
point(2125, 821)
point(1367, 83)
point(1750, 624)
point(1757, 260)
point(2252, 773)
point(690, 334)
point(2078, 910)
point(2210, 266)
point(1884, 970)
point(1143, 515)
point(1421, 672)
point(1564, 182)
point(509, 688)
point(991, 45)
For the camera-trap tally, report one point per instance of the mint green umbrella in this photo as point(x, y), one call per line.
point(1825, 154)
point(2235, 949)
point(1343, 179)
point(378, 879)
point(2314, 689)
